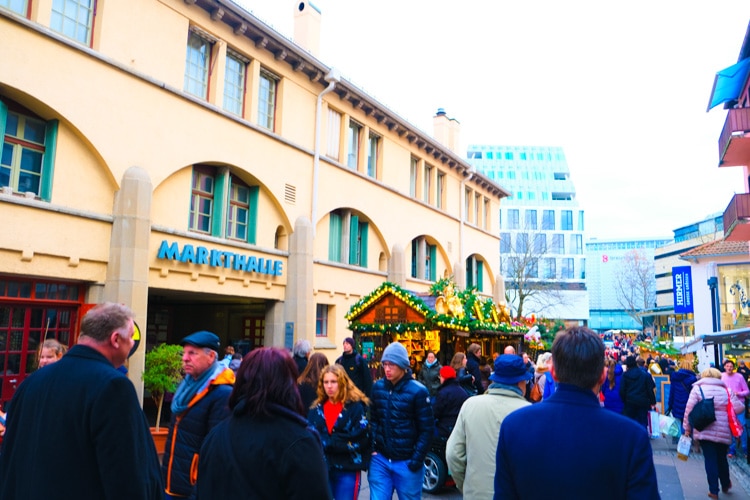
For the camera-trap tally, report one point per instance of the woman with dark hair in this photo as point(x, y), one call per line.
point(264, 449)
point(340, 417)
point(309, 379)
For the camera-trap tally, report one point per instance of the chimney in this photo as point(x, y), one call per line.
point(446, 130)
point(307, 19)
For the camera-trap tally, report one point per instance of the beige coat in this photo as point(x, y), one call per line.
point(471, 447)
point(718, 432)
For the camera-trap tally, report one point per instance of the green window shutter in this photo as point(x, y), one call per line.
point(480, 278)
point(353, 239)
point(414, 258)
point(469, 273)
point(252, 217)
point(3, 121)
point(433, 262)
point(334, 238)
point(363, 239)
point(220, 206)
point(48, 162)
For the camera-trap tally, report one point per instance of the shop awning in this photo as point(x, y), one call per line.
point(653, 312)
point(728, 83)
point(736, 336)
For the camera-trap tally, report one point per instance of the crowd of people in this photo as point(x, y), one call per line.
point(276, 424)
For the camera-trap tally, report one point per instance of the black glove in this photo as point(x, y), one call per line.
point(414, 466)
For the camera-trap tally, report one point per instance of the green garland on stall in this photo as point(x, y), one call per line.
point(433, 320)
point(659, 348)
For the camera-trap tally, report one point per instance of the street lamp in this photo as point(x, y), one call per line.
point(713, 285)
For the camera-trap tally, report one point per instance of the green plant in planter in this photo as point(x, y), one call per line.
point(162, 373)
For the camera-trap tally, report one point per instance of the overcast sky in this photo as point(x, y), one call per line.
point(621, 86)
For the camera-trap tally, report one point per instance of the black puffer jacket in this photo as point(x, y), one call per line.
point(401, 420)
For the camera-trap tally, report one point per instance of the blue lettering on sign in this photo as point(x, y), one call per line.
point(252, 264)
point(188, 254)
point(240, 263)
point(218, 258)
point(202, 257)
point(167, 251)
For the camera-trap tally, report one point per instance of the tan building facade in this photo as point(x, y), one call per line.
point(185, 159)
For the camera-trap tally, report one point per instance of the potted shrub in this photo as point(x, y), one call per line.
point(161, 375)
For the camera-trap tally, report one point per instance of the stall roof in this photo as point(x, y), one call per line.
point(736, 336)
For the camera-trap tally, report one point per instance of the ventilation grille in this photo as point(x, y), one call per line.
point(290, 194)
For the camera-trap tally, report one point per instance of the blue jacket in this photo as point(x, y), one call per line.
point(187, 431)
point(348, 446)
point(401, 420)
point(612, 400)
point(565, 432)
point(680, 384)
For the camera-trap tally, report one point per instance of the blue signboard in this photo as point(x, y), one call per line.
point(682, 290)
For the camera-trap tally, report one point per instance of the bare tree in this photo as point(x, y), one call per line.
point(635, 284)
point(530, 272)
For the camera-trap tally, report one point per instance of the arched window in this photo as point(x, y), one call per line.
point(223, 205)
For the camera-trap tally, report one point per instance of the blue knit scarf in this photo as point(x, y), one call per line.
point(190, 386)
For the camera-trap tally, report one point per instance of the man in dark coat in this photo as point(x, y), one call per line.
point(472, 366)
point(301, 353)
point(356, 367)
point(76, 428)
point(199, 404)
point(556, 434)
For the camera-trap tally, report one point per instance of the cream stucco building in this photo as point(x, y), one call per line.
point(182, 157)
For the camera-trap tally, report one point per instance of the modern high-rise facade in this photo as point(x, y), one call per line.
point(541, 229)
point(608, 260)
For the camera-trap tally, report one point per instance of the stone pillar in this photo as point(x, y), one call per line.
point(127, 270)
point(498, 291)
point(274, 331)
point(459, 274)
point(397, 266)
point(300, 305)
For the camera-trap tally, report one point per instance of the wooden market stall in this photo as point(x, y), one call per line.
point(444, 321)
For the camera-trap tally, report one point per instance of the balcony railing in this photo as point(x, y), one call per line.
point(736, 214)
point(738, 121)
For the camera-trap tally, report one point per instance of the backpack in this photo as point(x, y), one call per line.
point(536, 394)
